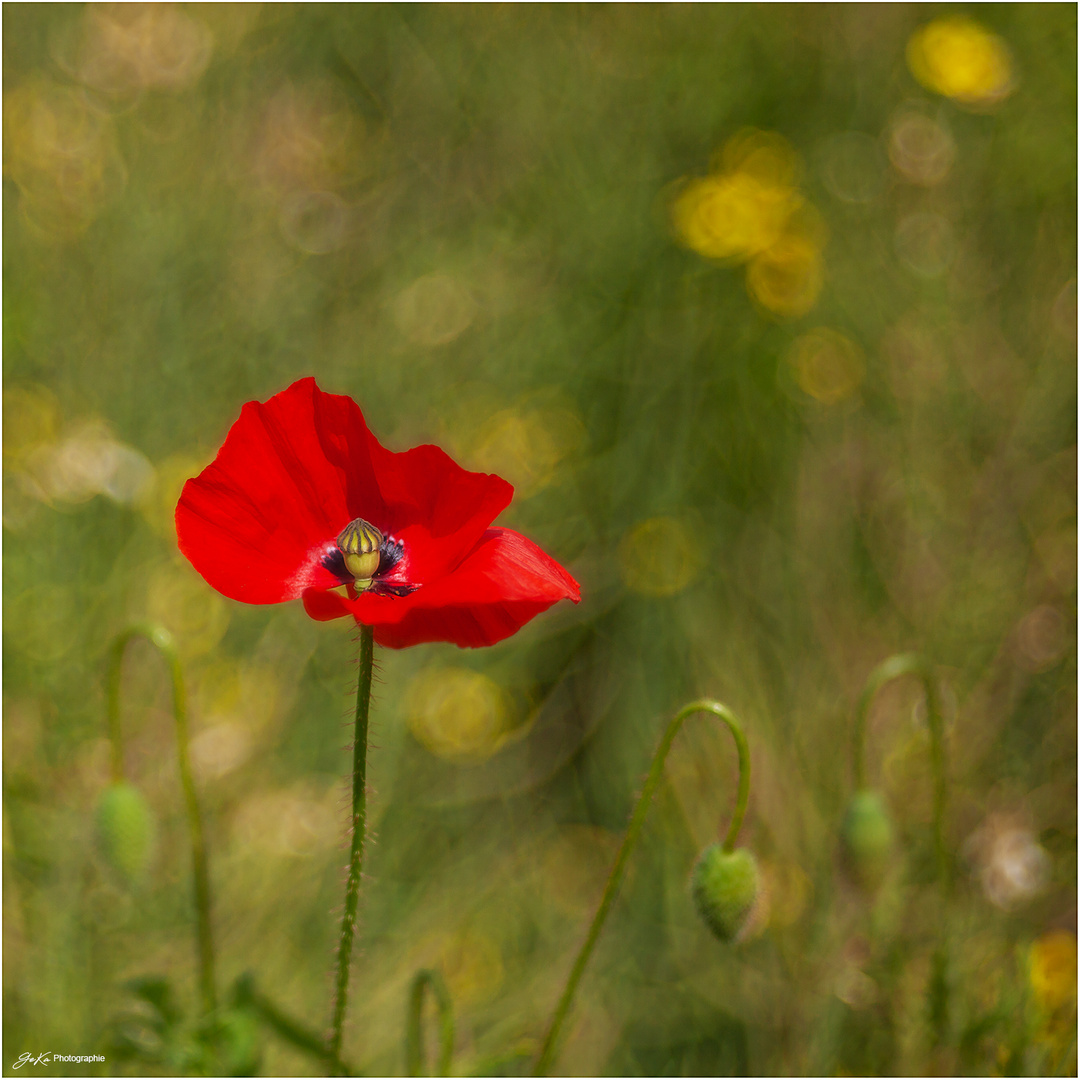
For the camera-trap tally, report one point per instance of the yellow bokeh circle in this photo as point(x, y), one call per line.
point(788, 277)
point(457, 714)
point(61, 153)
point(1053, 969)
point(527, 445)
point(191, 610)
point(733, 216)
point(749, 209)
point(956, 57)
point(660, 557)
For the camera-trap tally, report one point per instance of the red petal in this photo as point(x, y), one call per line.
point(435, 506)
point(293, 472)
point(505, 581)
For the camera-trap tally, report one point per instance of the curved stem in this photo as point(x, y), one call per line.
point(637, 819)
point(414, 1031)
point(356, 848)
point(162, 640)
point(894, 668)
point(291, 1030)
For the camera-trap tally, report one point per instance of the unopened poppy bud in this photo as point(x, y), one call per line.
point(125, 828)
point(361, 544)
point(725, 886)
point(867, 837)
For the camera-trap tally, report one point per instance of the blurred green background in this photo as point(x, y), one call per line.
point(768, 313)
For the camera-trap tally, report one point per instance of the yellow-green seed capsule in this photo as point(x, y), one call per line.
point(125, 828)
point(725, 886)
point(867, 838)
point(361, 545)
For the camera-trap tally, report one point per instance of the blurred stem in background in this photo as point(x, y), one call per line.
point(414, 1030)
point(285, 1026)
point(894, 668)
point(356, 850)
point(162, 640)
point(637, 820)
point(885, 672)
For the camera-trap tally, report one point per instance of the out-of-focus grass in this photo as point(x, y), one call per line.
point(852, 434)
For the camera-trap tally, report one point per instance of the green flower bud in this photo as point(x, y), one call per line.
point(125, 828)
point(725, 887)
point(867, 838)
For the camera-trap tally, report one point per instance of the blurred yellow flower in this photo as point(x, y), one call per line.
point(765, 155)
point(956, 57)
point(787, 278)
point(659, 557)
point(732, 217)
point(750, 209)
point(457, 714)
point(741, 208)
point(1053, 970)
point(828, 366)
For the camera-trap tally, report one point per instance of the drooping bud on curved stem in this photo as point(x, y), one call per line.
point(725, 886)
point(867, 838)
point(125, 831)
point(637, 820)
point(162, 640)
point(893, 668)
point(414, 1031)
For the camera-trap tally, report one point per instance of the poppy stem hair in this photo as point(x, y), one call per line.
point(356, 846)
point(893, 668)
point(162, 640)
point(637, 819)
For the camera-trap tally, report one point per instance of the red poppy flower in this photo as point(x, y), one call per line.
point(303, 501)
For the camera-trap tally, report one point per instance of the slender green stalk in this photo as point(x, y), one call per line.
point(886, 671)
point(162, 640)
point(291, 1030)
point(356, 849)
point(414, 1030)
point(637, 819)
point(893, 668)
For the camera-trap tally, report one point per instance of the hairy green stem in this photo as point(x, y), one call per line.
point(893, 668)
point(356, 848)
point(637, 819)
point(414, 1030)
point(162, 640)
